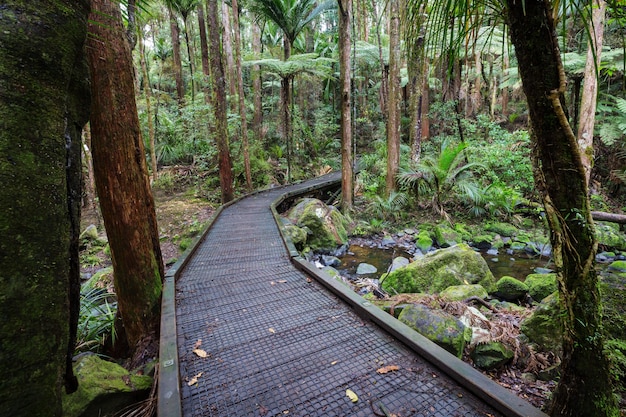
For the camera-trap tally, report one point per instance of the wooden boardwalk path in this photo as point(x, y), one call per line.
point(279, 343)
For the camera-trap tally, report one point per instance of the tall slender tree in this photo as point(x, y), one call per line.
point(219, 103)
point(178, 66)
point(393, 110)
point(122, 177)
point(345, 48)
point(44, 103)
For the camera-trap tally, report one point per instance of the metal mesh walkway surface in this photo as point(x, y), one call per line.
point(280, 344)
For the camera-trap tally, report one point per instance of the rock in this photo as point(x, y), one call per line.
point(541, 285)
point(492, 252)
point(544, 326)
point(424, 242)
point(90, 233)
point(388, 241)
point(503, 229)
point(617, 266)
point(491, 355)
point(446, 236)
point(540, 270)
point(436, 325)
point(511, 289)
point(365, 268)
point(409, 231)
point(605, 257)
point(399, 262)
point(438, 270)
point(103, 388)
point(102, 278)
point(326, 224)
point(549, 374)
point(482, 242)
point(297, 234)
point(609, 235)
point(330, 260)
point(463, 292)
point(517, 246)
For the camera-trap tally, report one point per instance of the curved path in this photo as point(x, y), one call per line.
point(280, 343)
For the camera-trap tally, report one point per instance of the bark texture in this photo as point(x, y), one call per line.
point(43, 106)
point(219, 103)
point(178, 66)
point(393, 121)
point(345, 19)
point(122, 176)
point(585, 387)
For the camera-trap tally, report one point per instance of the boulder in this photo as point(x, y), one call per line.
point(511, 289)
point(609, 235)
point(297, 235)
point(503, 229)
point(438, 270)
point(365, 268)
point(617, 266)
point(326, 224)
point(104, 388)
point(90, 233)
point(446, 236)
point(399, 262)
point(437, 326)
point(491, 355)
point(423, 242)
point(541, 285)
point(463, 292)
point(387, 241)
point(544, 327)
point(329, 260)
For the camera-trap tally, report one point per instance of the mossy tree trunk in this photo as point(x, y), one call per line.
point(218, 97)
point(585, 386)
point(393, 111)
point(122, 177)
point(345, 48)
point(43, 107)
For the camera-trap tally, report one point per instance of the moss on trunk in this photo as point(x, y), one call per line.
point(585, 386)
point(41, 47)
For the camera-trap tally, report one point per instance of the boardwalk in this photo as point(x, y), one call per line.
point(278, 343)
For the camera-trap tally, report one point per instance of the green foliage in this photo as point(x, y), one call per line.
point(442, 175)
point(96, 321)
point(611, 124)
point(616, 352)
point(389, 208)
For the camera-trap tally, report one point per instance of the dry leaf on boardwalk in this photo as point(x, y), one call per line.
point(194, 380)
point(197, 344)
point(386, 369)
point(352, 395)
point(271, 330)
point(201, 353)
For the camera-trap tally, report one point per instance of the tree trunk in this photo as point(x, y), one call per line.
point(585, 386)
point(383, 92)
point(121, 177)
point(345, 48)
point(416, 68)
point(393, 120)
point(285, 92)
point(178, 66)
point(219, 104)
point(227, 44)
point(257, 91)
point(190, 55)
point(204, 53)
point(242, 100)
point(44, 103)
point(590, 86)
point(147, 90)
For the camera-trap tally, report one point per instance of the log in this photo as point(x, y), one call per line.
point(608, 217)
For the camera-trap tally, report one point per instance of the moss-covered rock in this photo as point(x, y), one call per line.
point(424, 242)
point(541, 285)
point(617, 266)
point(609, 235)
point(103, 388)
point(438, 270)
point(545, 327)
point(297, 235)
point(491, 355)
point(511, 289)
point(437, 326)
point(446, 235)
point(326, 224)
point(463, 292)
point(90, 233)
point(503, 229)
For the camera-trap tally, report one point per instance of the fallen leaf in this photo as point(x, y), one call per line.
point(272, 283)
point(194, 380)
point(389, 368)
point(352, 396)
point(281, 281)
point(271, 330)
point(309, 280)
point(333, 363)
point(198, 343)
point(201, 353)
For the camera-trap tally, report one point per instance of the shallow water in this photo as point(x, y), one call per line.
point(518, 266)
